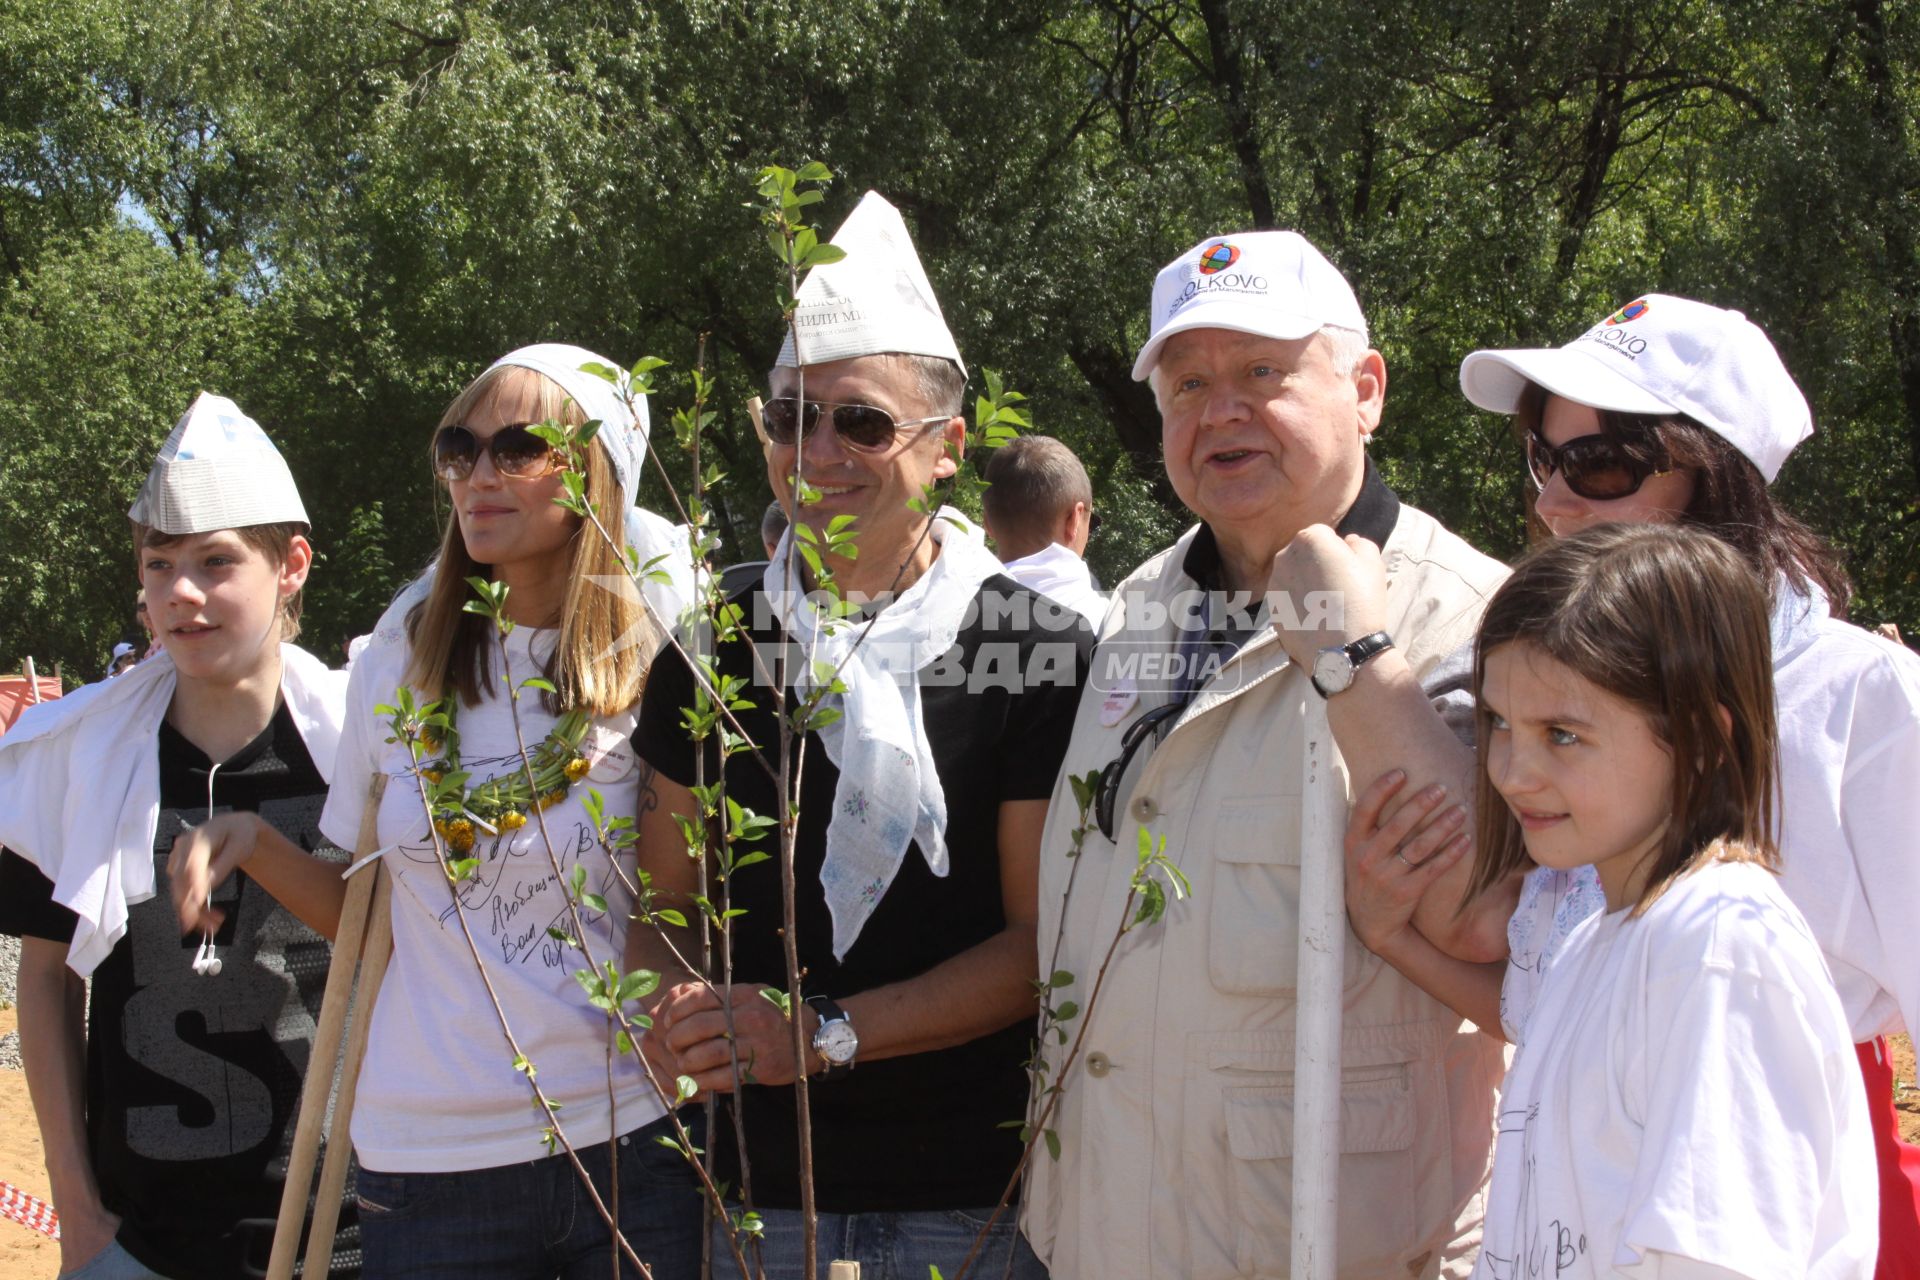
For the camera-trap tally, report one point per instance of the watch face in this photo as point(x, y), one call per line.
point(836, 1042)
point(1332, 670)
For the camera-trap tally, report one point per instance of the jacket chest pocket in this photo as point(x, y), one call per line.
point(1254, 937)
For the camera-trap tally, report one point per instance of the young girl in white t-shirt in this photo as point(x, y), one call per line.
point(1684, 1101)
point(458, 1175)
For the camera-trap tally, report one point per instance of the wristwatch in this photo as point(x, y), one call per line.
point(1335, 667)
point(834, 1039)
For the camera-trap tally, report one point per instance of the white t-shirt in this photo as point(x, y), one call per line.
point(439, 1091)
point(1063, 577)
point(1848, 705)
point(1686, 1102)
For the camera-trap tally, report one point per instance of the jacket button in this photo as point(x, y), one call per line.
point(1144, 808)
point(1098, 1064)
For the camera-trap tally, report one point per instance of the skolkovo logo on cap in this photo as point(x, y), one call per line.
point(1629, 313)
point(1622, 342)
point(1215, 277)
point(1217, 257)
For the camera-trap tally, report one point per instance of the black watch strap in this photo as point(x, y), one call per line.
point(1367, 647)
point(830, 1011)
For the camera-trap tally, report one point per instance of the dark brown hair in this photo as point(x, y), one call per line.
point(274, 541)
point(1673, 621)
point(1730, 496)
point(1031, 482)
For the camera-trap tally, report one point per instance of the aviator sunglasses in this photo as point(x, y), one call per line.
point(1595, 467)
point(516, 452)
point(859, 426)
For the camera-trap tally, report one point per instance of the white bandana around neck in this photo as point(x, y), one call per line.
point(80, 786)
point(889, 793)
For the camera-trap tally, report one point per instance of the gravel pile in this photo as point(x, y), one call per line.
point(9, 971)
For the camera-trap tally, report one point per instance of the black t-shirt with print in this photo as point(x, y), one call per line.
point(193, 1082)
point(921, 1131)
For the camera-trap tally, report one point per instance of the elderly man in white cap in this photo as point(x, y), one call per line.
point(165, 1109)
point(919, 826)
point(1307, 588)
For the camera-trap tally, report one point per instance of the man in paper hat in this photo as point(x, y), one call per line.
point(166, 1149)
point(1307, 589)
point(924, 799)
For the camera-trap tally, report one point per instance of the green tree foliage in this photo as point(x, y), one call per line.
point(338, 211)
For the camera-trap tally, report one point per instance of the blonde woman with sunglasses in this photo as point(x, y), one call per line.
point(457, 1177)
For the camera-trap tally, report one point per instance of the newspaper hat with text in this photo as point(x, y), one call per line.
point(874, 301)
point(217, 470)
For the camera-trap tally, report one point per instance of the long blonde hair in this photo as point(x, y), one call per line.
point(606, 636)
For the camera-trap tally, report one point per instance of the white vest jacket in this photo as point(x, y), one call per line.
point(1176, 1124)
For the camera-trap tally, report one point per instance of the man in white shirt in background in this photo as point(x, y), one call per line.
point(1038, 510)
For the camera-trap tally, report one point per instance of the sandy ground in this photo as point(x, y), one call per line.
point(24, 1254)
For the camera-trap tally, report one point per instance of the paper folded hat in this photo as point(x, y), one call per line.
point(874, 301)
point(217, 470)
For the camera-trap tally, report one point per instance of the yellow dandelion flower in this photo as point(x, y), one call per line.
point(576, 768)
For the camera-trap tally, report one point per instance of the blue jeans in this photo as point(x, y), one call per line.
point(535, 1221)
point(890, 1246)
point(112, 1263)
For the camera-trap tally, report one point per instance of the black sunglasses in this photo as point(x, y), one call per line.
point(859, 426)
point(516, 452)
point(1107, 794)
point(1596, 467)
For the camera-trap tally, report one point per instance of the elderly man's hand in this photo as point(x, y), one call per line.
point(1326, 591)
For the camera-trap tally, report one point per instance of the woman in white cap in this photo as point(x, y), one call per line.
point(1673, 410)
point(457, 1173)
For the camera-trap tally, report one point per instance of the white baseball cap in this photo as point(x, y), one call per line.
point(217, 470)
point(1271, 283)
point(1663, 355)
point(875, 301)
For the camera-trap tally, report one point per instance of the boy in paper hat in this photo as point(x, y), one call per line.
point(166, 1116)
point(919, 833)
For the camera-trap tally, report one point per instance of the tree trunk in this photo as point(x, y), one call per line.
point(1897, 234)
point(1230, 80)
point(1130, 408)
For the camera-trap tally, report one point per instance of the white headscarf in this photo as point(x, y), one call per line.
point(623, 433)
point(889, 793)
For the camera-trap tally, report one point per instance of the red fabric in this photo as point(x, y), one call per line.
point(14, 697)
point(1899, 1170)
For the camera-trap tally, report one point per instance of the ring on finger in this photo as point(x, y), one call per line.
point(1403, 860)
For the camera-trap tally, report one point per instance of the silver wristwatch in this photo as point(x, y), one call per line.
point(834, 1039)
point(1334, 668)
